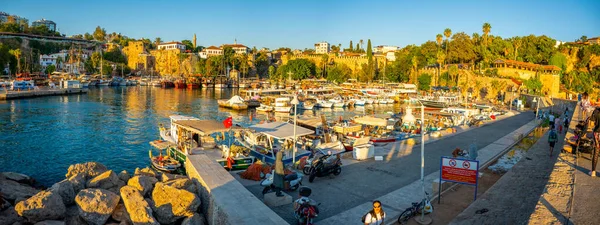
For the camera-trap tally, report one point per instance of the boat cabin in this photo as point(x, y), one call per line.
point(268, 138)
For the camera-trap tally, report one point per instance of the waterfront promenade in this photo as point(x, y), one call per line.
point(344, 197)
point(8, 95)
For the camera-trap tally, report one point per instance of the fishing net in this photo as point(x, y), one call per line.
point(256, 171)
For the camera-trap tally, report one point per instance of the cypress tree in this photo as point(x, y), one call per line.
point(351, 46)
point(357, 47)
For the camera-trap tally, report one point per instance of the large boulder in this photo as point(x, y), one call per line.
point(12, 190)
point(51, 222)
point(72, 216)
point(45, 205)
point(65, 190)
point(96, 205)
point(120, 213)
point(145, 172)
point(171, 204)
point(138, 209)
point(78, 181)
point(124, 176)
point(21, 178)
point(105, 180)
point(144, 184)
point(116, 189)
point(89, 169)
point(196, 219)
point(9, 216)
point(182, 183)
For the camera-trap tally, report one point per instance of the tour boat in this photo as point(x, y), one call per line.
point(265, 139)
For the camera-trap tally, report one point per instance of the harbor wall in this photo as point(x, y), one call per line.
point(38, 93)
point(559, 103)
point(224, 199)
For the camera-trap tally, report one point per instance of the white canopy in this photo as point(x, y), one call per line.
point(281, 130)
point(369, 120)
point(235, 99)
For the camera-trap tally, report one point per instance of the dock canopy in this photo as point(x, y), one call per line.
point(281, 130)
point(372, 121)
point(204, 127)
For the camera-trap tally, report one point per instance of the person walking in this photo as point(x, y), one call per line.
point(552, 138)
point(558, 125)
point(596, 131)
point(584, 107)
point(375, 216)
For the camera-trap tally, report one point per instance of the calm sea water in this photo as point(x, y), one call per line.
point(41, 137)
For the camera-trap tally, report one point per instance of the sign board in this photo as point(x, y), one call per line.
point(461, 171)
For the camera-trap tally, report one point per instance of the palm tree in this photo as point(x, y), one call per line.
point(447, 34)
point(17, 53)
point(486, 30)
point(157, 41)
point(439, 38)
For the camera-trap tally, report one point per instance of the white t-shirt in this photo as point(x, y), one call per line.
point(551, 117)
point(377, 220)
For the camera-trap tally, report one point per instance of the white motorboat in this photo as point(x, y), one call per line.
point(282, 105)
point(324, 104)
point(264, 108)
point(359, 102)
point(368, 101)
point(306, 105)
point(103, 83)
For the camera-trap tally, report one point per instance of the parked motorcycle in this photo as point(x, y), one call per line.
point(305, 208)
point(309, 162)
point(321, 167)
point(292, 182)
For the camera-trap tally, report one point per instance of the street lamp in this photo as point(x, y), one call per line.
point(295, 102)
point(423, 219)
point(537, 109)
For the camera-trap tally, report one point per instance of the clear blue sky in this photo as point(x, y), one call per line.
point(299, 24)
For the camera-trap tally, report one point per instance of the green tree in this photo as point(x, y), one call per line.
point(88, 36)
point(188, 45)
point(50, 69)
point(560, 60)
point(583, 39)
point(351, 46)
point(462, 49)
point(99, 34)
point(424, 81)
point(438, 39)
point(357, 48)
point(297, 69)
point(115, 56)
point(370, 63)
point(272, 72)
point(534, 85)
point(453, 72)
point(17, 54)
point(338, 73)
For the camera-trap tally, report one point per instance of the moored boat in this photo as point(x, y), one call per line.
point(236, 102)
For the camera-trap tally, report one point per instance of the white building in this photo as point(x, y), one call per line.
point(51, 59)
point(171, 45)
point(390, 56)
point(51, 25)
point(322, 48)
point(385, 48)
point(212, 51)
point(238, 48)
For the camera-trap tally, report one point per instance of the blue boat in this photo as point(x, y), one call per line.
point(264, 140)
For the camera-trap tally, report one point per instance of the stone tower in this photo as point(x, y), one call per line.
point(194, 40)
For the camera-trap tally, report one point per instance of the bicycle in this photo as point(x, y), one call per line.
point(416, 208)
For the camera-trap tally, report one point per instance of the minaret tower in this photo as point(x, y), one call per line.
point(194, 41)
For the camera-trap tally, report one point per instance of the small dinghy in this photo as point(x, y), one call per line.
point(164, 163)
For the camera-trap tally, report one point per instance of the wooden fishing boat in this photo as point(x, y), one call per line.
point(180, 84)
point(164, 163)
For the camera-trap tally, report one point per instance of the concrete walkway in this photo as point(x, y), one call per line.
point(382, 181)
point(514, 197)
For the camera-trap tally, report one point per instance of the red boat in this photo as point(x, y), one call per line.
point(193, 84)
point(180, 84)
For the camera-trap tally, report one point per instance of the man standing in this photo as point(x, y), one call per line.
point(279, 173)
point(552, 138)
point(596, 119)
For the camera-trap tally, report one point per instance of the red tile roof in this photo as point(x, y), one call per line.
point(170, 43)
point(527, 65)
point(234, 45)
point(212, 47)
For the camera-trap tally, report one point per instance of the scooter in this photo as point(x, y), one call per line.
point(321, 168)
point(291, 182)
point(307, 210)
point(309, 162)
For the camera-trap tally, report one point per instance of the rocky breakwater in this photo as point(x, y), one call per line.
point(92, 194)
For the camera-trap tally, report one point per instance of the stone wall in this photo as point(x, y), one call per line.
point(173, 62)
point(137, 58)
point(224, 200)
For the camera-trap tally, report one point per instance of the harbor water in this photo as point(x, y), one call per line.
point(41, 137)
